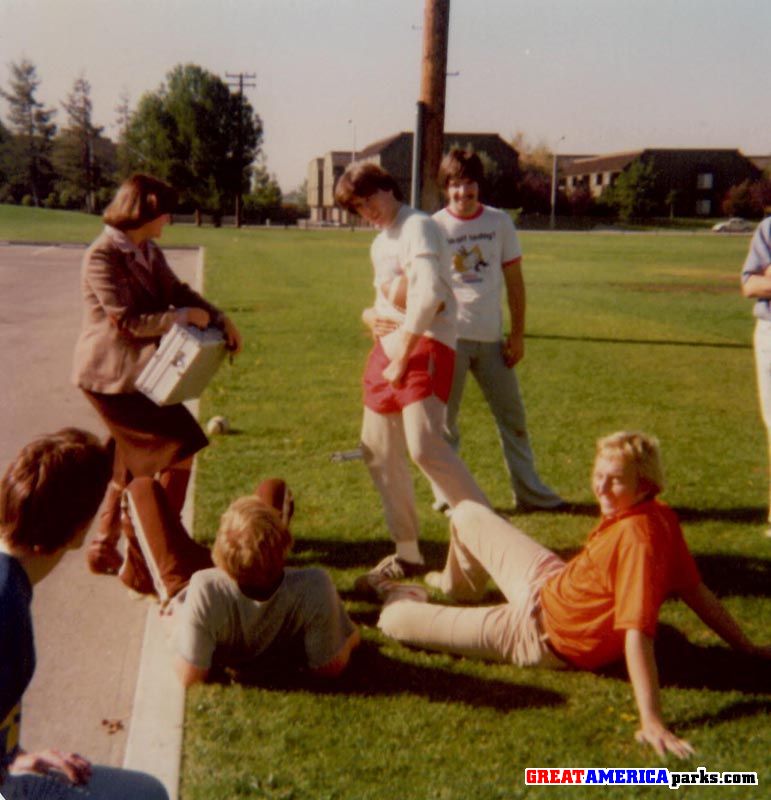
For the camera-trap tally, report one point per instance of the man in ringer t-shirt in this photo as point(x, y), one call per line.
point(486, 260)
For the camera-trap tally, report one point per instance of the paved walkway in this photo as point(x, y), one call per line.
point(103, 685)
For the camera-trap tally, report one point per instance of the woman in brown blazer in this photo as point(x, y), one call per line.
point(131, 299)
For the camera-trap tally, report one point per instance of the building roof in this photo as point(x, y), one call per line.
point(377, 147)
point(613, 162)
point(380, 145)
point(341, 158)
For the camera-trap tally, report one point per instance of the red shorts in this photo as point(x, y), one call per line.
point(429, 373)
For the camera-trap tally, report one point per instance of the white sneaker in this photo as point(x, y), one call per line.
point(434, 580)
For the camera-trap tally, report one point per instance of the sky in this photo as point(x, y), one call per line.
point(607, 75)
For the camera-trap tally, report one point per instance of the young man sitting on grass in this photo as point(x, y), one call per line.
point(602, 605)
point(250, 609)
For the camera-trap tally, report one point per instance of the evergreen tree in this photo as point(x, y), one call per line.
point(76, 152)
point(31, 172)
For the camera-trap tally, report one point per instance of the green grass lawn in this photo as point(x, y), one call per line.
point(624, 331)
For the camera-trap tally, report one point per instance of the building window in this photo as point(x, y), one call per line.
point(703, 207)
point(598, 179)
point(704, 180)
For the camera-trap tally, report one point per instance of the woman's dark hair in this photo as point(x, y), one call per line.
point(461, 164)
point(362, 180)
point(52, 489)
point(139, 199)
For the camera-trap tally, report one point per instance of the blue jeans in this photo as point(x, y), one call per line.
point(501, 391)
point(107, 783)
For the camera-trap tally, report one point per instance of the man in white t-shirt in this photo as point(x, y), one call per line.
point(408, 374)
point(486, 260)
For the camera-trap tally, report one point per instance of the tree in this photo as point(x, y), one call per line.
point(265, 200)
point(748, 199)
point(76, 152)
point(31, 172)
point(632, 195)
point(187, 132)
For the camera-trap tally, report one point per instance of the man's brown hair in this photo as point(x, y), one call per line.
point(361, 180)
point(52, 489)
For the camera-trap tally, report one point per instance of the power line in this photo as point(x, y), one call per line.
point(242, 81)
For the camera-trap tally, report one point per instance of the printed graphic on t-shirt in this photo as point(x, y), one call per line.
point(468, 257)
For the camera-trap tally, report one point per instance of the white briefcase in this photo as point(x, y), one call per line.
point(183, 364)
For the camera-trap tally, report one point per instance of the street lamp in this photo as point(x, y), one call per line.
point(353, 128)
point(552, 217)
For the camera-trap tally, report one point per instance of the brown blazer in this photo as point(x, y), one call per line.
point(128, 307)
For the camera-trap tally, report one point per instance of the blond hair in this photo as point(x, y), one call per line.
point(252, 541)
point(639, 449)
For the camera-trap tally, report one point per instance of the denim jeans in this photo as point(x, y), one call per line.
point(500, 388)
point(107, 783)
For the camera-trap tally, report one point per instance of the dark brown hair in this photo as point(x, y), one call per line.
point(361, 180)
point(52, 489)
point(461, 164)
point(140, 199)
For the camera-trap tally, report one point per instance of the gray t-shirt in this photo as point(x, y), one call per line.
point(219, 624)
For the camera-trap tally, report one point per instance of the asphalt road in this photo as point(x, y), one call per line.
point(88, 631)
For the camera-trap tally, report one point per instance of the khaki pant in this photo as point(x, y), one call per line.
point(483, 546)
point(387, 440)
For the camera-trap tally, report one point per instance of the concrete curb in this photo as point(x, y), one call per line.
point(155, 736)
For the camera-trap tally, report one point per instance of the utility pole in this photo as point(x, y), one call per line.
point(554, 178)
point(241, 79)
point(429, 136)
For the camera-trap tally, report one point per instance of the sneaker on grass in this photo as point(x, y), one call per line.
point(390, 569)
point(388, 591)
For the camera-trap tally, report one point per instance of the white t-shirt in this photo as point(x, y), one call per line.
point(479, 247)
point(413, 246)
point(219, 624)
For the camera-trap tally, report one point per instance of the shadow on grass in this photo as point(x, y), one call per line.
point(742, 576)
point(751, 515)
point(685, 665)
point(340, 554)
point(371, 673)
point(726, 575)
point(645, 342)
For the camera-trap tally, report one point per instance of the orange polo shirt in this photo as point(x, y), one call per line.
point(630, 564)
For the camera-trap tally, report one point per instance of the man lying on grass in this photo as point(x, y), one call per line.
point(602, 604)
point(250, 609)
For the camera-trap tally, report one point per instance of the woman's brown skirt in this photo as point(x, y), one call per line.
point(148, 438)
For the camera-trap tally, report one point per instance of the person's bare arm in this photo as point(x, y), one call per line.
point(337, 665)
point(641, 664)
point(187, 673)
point(717, 617)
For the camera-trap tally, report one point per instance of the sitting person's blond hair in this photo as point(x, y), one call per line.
point(639, 449)
point(252, 543)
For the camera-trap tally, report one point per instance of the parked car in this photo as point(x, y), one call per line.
point(733, 225)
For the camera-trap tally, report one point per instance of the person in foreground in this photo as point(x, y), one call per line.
point(756, 283)
point(250, 609)
point(486, 260)
point(48, 498)
point(409, 369)
point(131, 298)
point(602, 605)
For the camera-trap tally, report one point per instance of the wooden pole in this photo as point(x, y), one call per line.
point(436, 27)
